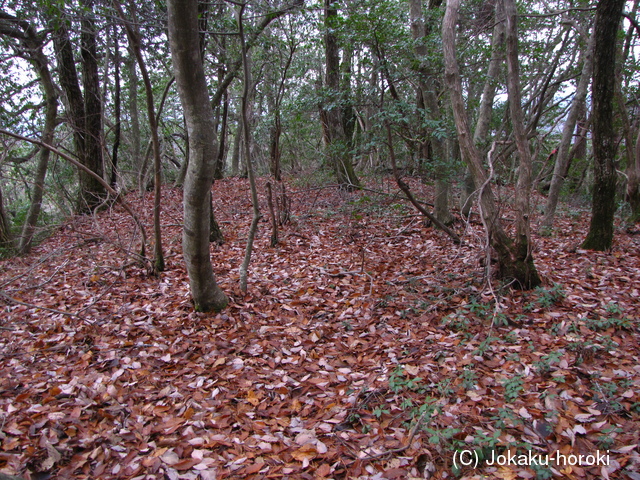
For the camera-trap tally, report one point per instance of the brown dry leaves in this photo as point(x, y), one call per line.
point(356, 324)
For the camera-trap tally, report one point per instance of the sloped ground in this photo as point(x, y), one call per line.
point(368, 346)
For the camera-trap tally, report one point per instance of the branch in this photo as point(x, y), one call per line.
point(405, 188)
point(79, 165)
point(558, 12)
point(251, 41)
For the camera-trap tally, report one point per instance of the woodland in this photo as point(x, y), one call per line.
point(304, 240)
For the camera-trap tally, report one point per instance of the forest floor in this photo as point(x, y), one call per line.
point(368, 346)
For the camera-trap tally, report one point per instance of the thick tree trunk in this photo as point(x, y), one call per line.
point(203, 148)
point(608, 15)
point(513, 264)
point(562, 159)
point(333, 129)
point(92, 192)
point(84, 112)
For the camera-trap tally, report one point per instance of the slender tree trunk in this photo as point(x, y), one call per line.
point(608, 15)
point(51, 102)
point(633, 184)
point(220, 159)
point(32, 44)
point(185, 162)
point(134, 120)
point(215, 232)
point(513, 263)
point(562, 158)
point(117, 111)
point(523, 256)
point(632, 193)
point(235, 154)
point(274, 149)
point(485, 111)
point(5, 226)
point(432, 148)
point(203, 148)
point(134, 42)
point(247, 84)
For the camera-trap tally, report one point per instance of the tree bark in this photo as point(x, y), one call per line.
point(117, 105)
point(562, 158)
point(432, 147)
point(523, 256)
point(333, 129)
point(203, 148)
point(33, 45)
point(92, 193)
point(247, 84)
point(134, 125)
point(134, 43)
point(607, 24)
point(513, 264)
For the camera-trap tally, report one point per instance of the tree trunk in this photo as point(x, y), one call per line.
point(562, 159)
point(51, 102)
point(432, 148)
point(333, 129)
point(117, 111)
point(485, 111)
point(215, 232)
point(633, 184)
point(32, 44)
point(607, 24)
point(513, 264)
point(134, 125)
point(92, 192)
point(235, 154)
point(247, 84)
point(203, 148)
point(218, 173)
point(523, 256)
point(134, 42)
point(5, 226)
point(274, 149)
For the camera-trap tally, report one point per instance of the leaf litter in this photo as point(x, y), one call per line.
point(368, 347)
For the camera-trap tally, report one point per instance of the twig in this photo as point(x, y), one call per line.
point(52, 310)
